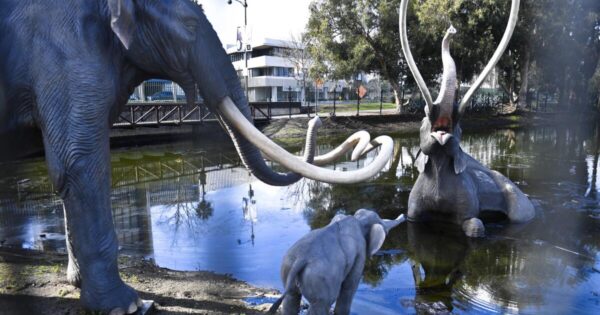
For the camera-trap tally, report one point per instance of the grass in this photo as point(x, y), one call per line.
point(352, 107)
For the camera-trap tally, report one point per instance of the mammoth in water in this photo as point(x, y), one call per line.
point(326, 265)
point(452, 186)
point(67, 68)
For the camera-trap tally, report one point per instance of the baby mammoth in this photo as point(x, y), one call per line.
point(325, 266)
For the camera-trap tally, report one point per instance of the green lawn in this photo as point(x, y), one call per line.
point(352, 107)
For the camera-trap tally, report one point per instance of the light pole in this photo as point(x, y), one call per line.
point(244, 3)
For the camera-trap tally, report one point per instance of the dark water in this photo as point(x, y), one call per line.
point(189, 209)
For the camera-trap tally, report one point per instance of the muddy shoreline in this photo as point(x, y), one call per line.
point(292, 131)
point(33, 282)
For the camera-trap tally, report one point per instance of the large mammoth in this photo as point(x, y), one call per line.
point(68, 68)
point(452, 186)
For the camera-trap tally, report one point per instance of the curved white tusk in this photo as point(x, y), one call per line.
point(291, 162)
point(409, 58)
point(359, 141)
point(510, 27)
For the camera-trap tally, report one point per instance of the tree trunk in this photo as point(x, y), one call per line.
point(563, 91)
point(523, 90)
point(397, 90)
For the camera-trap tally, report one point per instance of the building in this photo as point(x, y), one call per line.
point(271, 75)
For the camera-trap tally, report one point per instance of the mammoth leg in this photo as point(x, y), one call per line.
point(319, 307)
point(76, 142)
point(291, 302)
point(348, 289)
point(519, 207)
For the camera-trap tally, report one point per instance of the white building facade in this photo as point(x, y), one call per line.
point(271, 75)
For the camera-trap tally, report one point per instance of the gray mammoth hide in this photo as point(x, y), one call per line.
point(452, 186)
point(66, 70)
point(326, 265)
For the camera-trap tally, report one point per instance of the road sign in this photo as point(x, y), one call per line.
point(362, 91)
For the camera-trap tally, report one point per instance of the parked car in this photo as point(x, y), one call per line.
point(165, 96)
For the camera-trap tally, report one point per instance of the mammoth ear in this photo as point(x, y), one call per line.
point(122, 20)
point(460, 162)
point(421, 162)
point(376, 238)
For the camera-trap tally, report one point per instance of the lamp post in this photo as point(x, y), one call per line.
point(403, 84)
point(358, 82)
point(244, 3)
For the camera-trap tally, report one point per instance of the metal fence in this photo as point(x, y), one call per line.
point(161, 102)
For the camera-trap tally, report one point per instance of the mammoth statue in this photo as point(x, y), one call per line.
point(452, 186)
point(67, 68)
point(326, 265)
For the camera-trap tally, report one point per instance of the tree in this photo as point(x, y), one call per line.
point(362, 35)
point(300, 57)
point(556, 42)
point(352, 36)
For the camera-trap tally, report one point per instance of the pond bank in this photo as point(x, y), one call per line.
point(292, 130)
point(33, 282)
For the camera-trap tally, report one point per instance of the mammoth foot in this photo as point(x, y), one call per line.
point(473, 228)
point(120, 300)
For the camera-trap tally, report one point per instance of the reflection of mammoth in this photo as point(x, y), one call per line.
point(436, 253)
point(68, 69)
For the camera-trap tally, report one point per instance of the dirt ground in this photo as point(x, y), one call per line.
point(35, 283)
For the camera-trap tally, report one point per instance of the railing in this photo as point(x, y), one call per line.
point(157, 113)
point(139, 114)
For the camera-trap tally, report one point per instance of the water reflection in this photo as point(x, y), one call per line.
point(188, 210)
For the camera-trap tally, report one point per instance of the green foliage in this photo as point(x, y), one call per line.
point(556, 45)
point(352, 36)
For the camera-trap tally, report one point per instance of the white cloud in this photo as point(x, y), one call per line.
point(268, 18)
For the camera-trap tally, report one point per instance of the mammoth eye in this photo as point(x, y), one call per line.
point(191, 25)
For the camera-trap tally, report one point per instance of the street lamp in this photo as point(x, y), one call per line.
point(244, 3)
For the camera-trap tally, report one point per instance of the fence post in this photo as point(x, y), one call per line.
point(158, 115)
point(334, 97)
point(174, 88)
point(357, 102)
point(142, 91)
point(380, 101)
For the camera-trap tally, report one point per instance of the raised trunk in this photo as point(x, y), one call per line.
point(448, 88)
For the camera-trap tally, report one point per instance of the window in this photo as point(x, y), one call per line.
point(236, 56)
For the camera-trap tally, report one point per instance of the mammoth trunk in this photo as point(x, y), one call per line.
point(251, 157)
point(448, 88)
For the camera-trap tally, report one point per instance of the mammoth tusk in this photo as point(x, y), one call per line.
point(232, 114)
point(409, 58)
point(510, 27)
point(359, 141)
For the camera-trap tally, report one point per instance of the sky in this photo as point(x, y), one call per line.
point(275, 19)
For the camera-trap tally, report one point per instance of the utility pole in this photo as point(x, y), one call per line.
point(244, 3)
